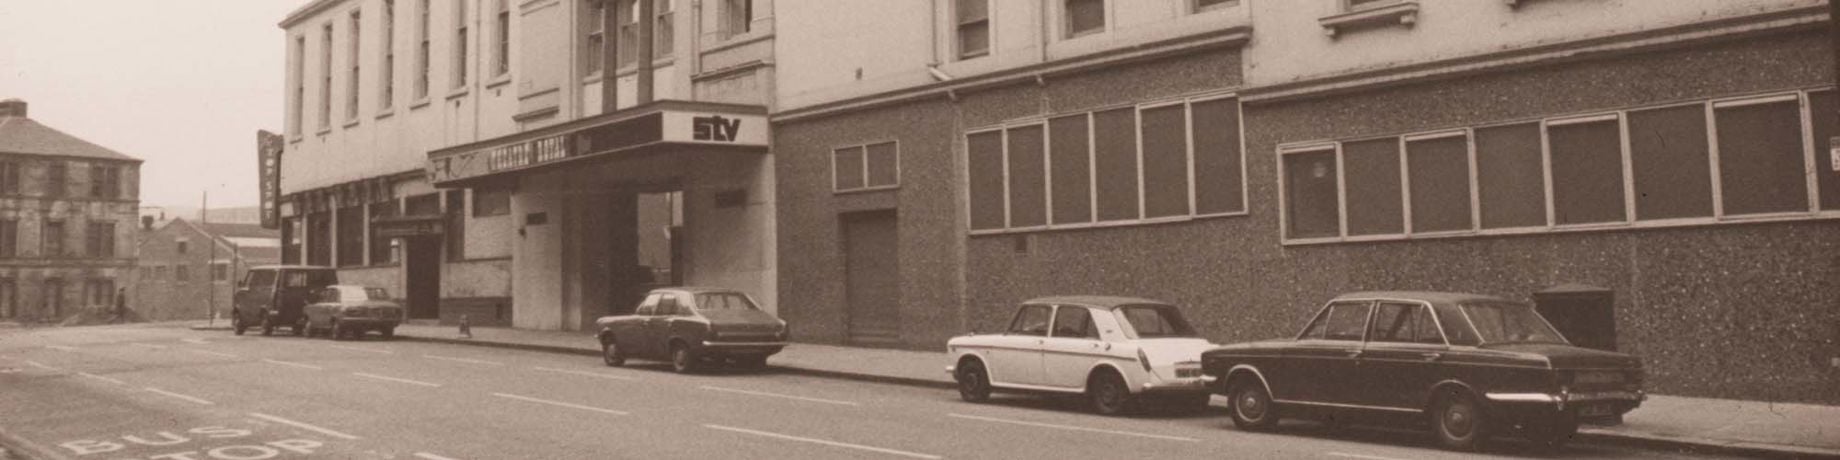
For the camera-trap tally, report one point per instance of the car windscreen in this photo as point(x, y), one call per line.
point(376, 293)
point(300, 279)
point(724, 301)
point(1149, 321)
point(1505, 322)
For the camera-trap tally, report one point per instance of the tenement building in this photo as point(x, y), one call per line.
point(67, 212)
point(535, 163)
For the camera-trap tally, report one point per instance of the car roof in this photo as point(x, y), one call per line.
point(290, 267)
point(1095, 301)
point(696, 290)
point(348, 286)
point(1444, 298)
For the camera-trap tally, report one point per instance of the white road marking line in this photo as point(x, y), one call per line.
point(214, 353)
point(105, 379)
point(463, 360)
point(366, 350)
point(288, 363)
point(777, 395)
point(304, 426)
point(561, 404)
point(194, 341)
point(585, 373)
point(394, 379)
point(61, 348)
point(824, 442)
point(40, 365)
point(149, 346)
point(1074, 428)
point(431, 456)
point(1366, 457)
point(179, 396)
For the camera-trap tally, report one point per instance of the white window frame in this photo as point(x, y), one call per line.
point(990, 33)
point(386, 59)
point(353, 35)
point(864, 172)
point(1195, 6)
point(1066, 21)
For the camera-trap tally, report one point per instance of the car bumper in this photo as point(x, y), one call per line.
point(1201, 384)
point(1595, 407)
point(743, 348)
point(369, 323)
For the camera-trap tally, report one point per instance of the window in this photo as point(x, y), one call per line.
point(319, 238)
point(629, 30)
point(182, 273)
point(1667, 155)
point(355, 32)
point(1510, 173)
point(1587, 170)
point(9, 178)
point(54, 297)
point(1823, 122)
point(9, 298)
point(501, 39)
point(1090, 169)
point(181, 246)
point(298, 98)
point(1363, 4)
point(1438, 168)
point(456, 225)
point(220, 271)
point(386, 75)
point(1373, 187)
point(292, 231)
point(668, 306)
point(380, 252)
point(973, 28)
point(99, 291)
point(9, 238)
point(1499, 322)
point(663, 38)
point(1404, 323)
point(53, 239)
point(1084, 17)
point(1030, 320)
point(55, 177)
point(489, 202)
point(1342, 321)
point(1153, 321)
point(864, 167)
point(100, 241)
point(422, 49)
point(461, 43)
point(724, 301)
point(1210, 5)
point(1075, 322)
point(1762, 168)
point(1312, 196)
point(104, 181)
point(350, 236)
point(593, 43)
point(325, 74)
point(737, 17)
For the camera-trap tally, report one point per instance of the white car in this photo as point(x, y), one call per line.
point(1117, 351)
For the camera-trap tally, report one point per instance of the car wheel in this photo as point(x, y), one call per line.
point(1458, 422)
point(300, 327)
point(973, 381)
point(1251, 406)
point(1108, 394)
point(1552, 434)
point(338, 332)
point(236, 323)
point(268, 326)
point(683, 361)
point(611, 354)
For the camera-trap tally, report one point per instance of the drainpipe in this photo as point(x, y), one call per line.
point(648, 18)
point(610, 55)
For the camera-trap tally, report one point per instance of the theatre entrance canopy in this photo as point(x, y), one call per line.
point(658, 128)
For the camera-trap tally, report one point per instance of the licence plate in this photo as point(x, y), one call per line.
point(1188, 372)
point(1594, 410)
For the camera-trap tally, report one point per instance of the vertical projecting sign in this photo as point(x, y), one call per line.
point(268, 149)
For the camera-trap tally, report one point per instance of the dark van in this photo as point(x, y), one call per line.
point(270, 296)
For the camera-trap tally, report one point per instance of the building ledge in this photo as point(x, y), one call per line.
point(1403, 13)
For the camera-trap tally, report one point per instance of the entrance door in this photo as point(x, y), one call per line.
point(872, 272)
point(423, 263)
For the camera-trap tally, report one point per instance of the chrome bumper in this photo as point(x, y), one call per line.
point(707, 343)
point(1201, 383)
point(1564, 398)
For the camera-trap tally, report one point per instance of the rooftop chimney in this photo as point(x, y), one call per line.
point(12, 108)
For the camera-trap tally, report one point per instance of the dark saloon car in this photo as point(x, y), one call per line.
point(1470, 365)
point(691, 326)
point(271, 296)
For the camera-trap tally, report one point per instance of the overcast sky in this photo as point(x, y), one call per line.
point(181, 84)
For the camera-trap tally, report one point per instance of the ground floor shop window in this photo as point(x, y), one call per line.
point(290, 240)
point(350, 236)
point(380, 246)
point(319, 238)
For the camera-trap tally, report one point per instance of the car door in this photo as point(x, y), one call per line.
point(658, 325)
point(1320, 368)
point(630, 331)
point(1071, 348)
point(1400, 361)
point(257, 294)
point(1015, 356)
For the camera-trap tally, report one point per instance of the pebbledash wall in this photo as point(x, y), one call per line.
point(1734, 294)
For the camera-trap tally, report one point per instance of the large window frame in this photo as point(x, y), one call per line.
point(1095, 218)
point(962, 25)
point(863, 171)
point(1631, 219)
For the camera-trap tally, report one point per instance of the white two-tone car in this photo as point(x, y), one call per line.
point(1117, 351)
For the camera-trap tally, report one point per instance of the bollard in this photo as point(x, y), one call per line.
point(466, 327)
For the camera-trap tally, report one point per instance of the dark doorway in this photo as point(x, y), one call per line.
point(54, 300)
point(422, 262)
point(872, 276)
point(1586, 315)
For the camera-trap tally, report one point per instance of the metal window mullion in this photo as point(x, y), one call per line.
point(1138, 119)
point(1475, 182)
point(1047, 173)
point(1405, 188)
point(1188, 135)
point(1712, 148)
point(1547, 173)
point(1092, 168)
point(1003, 136)
point(1810, 168)
point(1341, 192)
point(1245, 202)
point(865, 162)
point(1629, 182)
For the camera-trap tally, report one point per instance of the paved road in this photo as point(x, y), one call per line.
point(143, 392)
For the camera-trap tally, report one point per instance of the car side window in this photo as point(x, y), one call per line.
point(1404, 323)
point(1031, 320)
point(1342, 321)
point(261, 279)
point(648, 307)
point(667, 305)
point(1076, 322)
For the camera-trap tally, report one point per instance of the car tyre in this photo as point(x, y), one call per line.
point(337, 332)
point(1458, 421)
point(268, 326)
point(611, 355)
point(1550, 435)
point(973, 381)
point(683, 361)
point(1108, 394)
point(300, 327)
point(1251, 406)
point(236, 323)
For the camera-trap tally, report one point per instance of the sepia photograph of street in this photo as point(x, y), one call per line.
point(919, 229)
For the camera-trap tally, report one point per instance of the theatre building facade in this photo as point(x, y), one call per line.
point(465, 155)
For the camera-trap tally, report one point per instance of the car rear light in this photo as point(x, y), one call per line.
point(1143, 359)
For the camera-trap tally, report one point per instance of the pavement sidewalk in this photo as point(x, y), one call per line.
point(1751, 428)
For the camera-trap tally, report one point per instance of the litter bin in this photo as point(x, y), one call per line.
point(1585, 314)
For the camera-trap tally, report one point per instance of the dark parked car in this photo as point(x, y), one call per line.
point(1470, 365)
point(691, 326)
point(271, 296)
point(343, 311)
